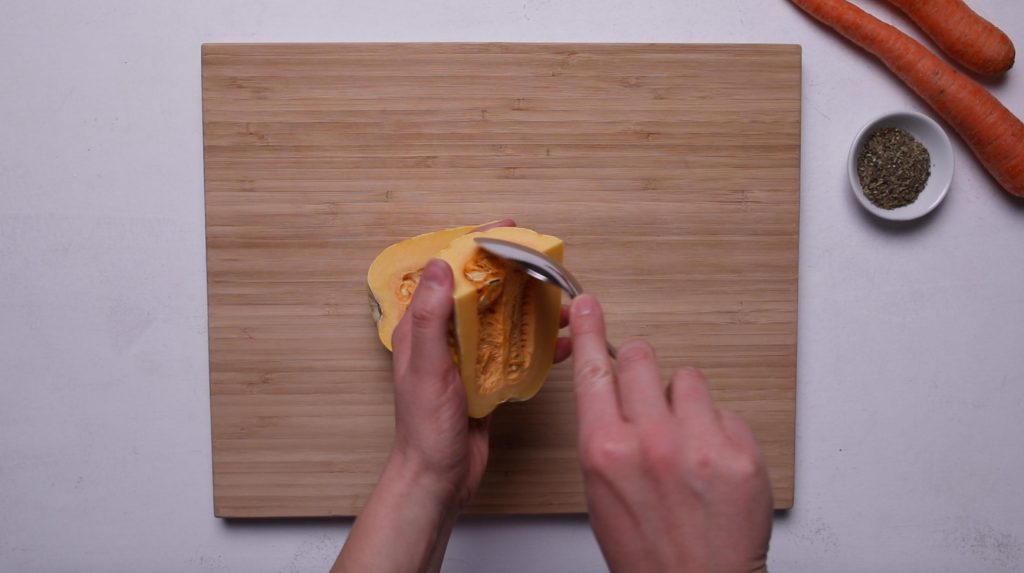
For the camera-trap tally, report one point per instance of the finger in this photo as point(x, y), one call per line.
point(400, 338)
point(429, 313)
point(479, 435)
point(494, 225)
point(747, 454)
point(737, 429)
point(593, 374)
point(639, 382)
point(480, 425)
point(691, 398)
point(479, 444)
point(563, 350)
point(563, 318)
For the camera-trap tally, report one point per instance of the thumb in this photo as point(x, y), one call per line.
point(431, 310)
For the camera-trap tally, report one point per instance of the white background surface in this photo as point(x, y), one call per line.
point(911, 394)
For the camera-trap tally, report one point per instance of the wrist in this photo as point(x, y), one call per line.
point(405, 473)
point(409, 505)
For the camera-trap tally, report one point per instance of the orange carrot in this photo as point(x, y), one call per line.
point(965, 36)
point(993, 133)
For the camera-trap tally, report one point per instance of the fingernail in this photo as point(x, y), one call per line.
point(433, 273)
point(584, 305)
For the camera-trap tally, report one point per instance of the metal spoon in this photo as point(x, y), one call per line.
point(537, 265)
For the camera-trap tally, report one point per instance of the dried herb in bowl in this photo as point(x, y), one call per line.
point(893, 168)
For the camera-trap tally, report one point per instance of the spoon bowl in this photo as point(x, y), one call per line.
point(537, 265)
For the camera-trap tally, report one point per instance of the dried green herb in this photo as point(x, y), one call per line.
point(893, 168)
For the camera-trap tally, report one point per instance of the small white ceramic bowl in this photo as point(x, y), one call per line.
point(934, 138)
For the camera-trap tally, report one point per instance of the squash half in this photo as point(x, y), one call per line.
point(505, 324)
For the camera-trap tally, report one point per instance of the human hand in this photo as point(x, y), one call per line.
point(433, 430)
point(672, 483)
point(439, 453)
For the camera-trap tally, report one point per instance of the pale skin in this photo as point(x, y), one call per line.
point(672, 482)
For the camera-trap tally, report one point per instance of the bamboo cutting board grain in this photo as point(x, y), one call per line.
point(672, 172)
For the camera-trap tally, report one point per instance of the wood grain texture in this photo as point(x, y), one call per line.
point(672, 172)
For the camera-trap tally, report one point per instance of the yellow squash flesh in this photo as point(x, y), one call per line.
point(505, 324)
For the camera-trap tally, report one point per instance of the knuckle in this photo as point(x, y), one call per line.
point(635, 352)
point(688, 385)
point(602, 454)
point(586, 325)
point(704, 464)
point(424, 315)
point(688, 376)
point(596, 371)
point(746, 465)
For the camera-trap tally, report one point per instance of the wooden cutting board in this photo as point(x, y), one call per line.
point(671, 171)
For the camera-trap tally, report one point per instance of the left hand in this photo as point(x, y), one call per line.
point(434, 435)
point(439, 454)
point(433, 432)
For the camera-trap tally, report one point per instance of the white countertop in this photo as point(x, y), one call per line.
point(911, 367)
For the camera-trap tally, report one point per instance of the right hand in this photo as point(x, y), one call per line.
point(672, 483)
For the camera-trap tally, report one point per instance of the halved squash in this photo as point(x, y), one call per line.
point(505, 324)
